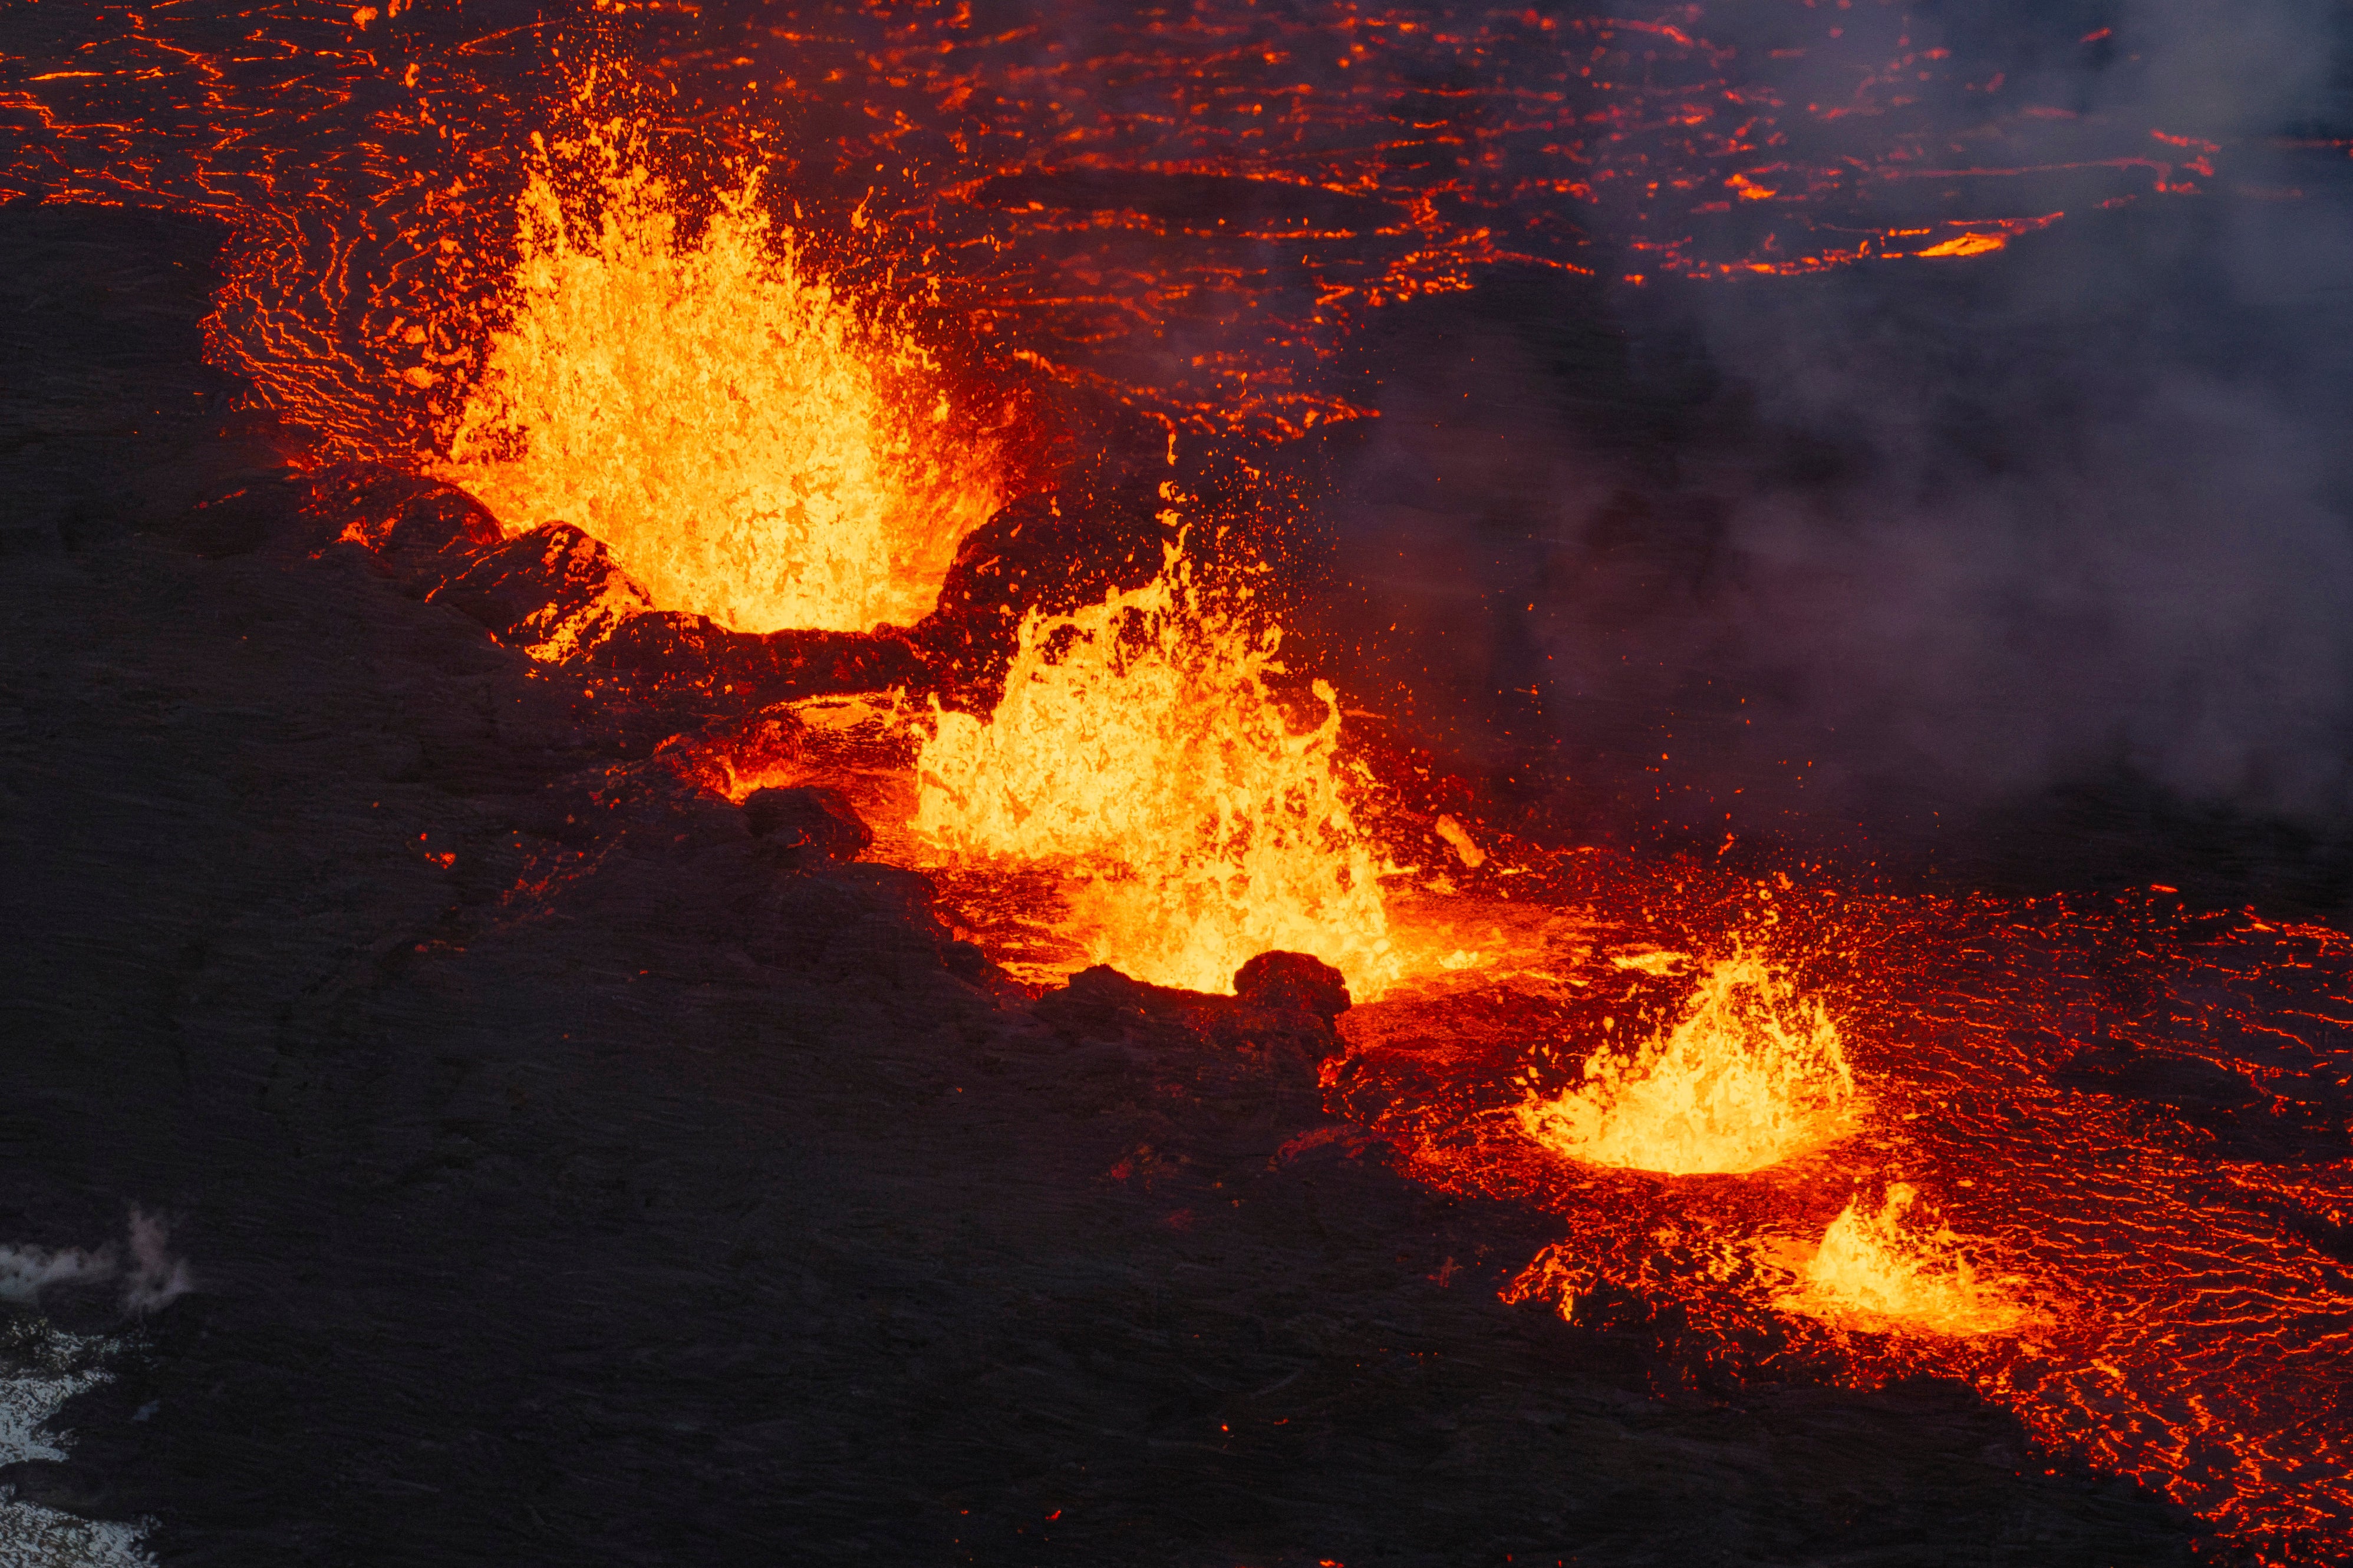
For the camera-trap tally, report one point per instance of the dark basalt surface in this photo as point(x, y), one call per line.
point(557, 593)
point(564, 1180)
point(551, 591)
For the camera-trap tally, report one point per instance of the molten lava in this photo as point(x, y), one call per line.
point(1751, 1075)
point(2140, 1111)
point(1141, 743)
point(1887, 1266)
point(748, 443)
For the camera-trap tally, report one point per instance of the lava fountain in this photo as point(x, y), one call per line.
point(1751, 1075)
point(1141, 745)
point(1887, 1265)
point(750, 444)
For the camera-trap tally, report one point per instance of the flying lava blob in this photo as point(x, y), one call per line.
point(1751, 1075)
point(1141, 745)
point(749, 443)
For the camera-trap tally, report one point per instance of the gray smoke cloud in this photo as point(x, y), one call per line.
point(2105, 528)
point(2083, 511)
point(2097, 551)
point(151, 1277)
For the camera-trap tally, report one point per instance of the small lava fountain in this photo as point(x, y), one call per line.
point(1751, 1075)
point(1888, 1265)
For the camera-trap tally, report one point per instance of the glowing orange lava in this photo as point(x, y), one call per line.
point(748, 443)
point(1141, 745)
point(1889, 1266)
point(1749, 1076)
point(2132, 1118)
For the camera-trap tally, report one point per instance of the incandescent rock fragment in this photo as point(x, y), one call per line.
point(762, 752)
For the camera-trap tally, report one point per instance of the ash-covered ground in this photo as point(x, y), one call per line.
point(560, 1176)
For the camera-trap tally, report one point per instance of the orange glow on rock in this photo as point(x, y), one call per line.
point(1751, 1075)
point(750, 444)
point(1141, 745)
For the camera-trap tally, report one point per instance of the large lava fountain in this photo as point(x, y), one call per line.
point(1140, 743)
point(749, 443)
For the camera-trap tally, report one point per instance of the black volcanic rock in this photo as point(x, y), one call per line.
point(1292, 980)
point(1104, 524)
point(554, 591)
point(425, 531)
point(691, 657)
point(243, 515)
point(1050, 553)
point(810, 818)
point(1100, 1003)
point(553, 586)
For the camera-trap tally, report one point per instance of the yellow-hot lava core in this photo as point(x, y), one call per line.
point(748, 443)
point(1139, 742)
point(1889, 1265)
point(1751, 1075)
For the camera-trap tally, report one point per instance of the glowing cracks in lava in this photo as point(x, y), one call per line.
point(749, 444)
point(1749, 1076)
point(1890, 1265)
point(1140, 743)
